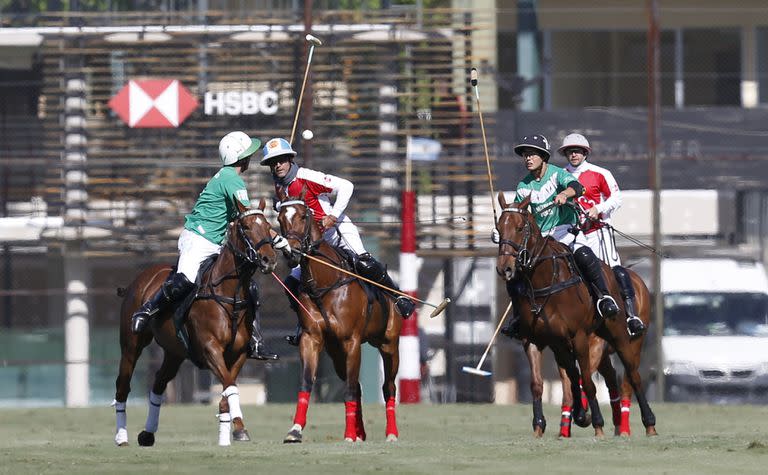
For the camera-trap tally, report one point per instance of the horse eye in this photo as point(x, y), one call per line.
point(520, 229)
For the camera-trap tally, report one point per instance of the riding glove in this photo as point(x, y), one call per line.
point(495, 236)
point(281, 244)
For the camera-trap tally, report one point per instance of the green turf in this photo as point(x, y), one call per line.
point(433, 439)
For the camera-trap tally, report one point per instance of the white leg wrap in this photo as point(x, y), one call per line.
point(233, 399)
point(153, 414)
point(121, 432)
point(225, 427)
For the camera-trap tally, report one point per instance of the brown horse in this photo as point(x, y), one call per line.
point(557, 310)
point(341, 314)
point(218, 326)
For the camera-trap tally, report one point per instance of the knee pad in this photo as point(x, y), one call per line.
point(584, 256)
point(625, 282)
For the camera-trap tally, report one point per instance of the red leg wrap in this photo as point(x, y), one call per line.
point(565, 422)
point(301, 409)
point(350, 432)
point(624, 427)
point(391, 418)
point(584, 401)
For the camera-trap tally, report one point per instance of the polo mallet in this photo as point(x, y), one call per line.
point(473, 81)
point(438, 309)
point(313, 41)
point(477, 371)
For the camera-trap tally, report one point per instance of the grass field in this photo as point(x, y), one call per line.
point(433, 439)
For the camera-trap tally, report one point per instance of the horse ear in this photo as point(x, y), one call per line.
point(502, 200)
point(303, 193)
point(241, 208)
point(281, 194)
point(524, 204)
point(262, 203)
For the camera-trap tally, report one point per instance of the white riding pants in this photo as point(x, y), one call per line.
point(603, 246)
point(562, 234)
point(193, 250)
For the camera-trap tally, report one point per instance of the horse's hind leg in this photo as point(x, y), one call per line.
point(164, 375)
point(537, 388)
point(630, 358)
point(131, 347)
point(352, 395)
point(309, 352)
point(390, 355)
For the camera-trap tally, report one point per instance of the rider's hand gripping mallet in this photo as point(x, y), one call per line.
point(438, 309)
point(313, 41)
point(477, 370)
point(473, 81)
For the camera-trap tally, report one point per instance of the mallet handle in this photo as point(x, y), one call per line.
point(493, 338)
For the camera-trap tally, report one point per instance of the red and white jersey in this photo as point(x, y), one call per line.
point(320, 188)
point(600, 191)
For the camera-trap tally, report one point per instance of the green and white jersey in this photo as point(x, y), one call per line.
point(542, 192)
point(216, 205)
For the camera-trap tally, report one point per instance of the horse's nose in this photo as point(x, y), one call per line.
point(508, 272)
point(268, 264)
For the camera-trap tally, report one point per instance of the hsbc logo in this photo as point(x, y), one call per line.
point(166, 103)
point(153, 103)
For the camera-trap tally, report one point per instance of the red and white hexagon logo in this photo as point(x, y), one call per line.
point(153, 103)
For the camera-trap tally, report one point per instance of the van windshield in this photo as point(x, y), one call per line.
point(720, 314)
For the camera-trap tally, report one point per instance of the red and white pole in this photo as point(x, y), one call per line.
point(410, 365)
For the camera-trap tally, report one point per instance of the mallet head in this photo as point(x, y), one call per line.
point(439, 309)
point(314, 40)
point(476, 371)
point(473, 77)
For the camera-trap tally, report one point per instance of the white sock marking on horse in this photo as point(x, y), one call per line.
point(225, 426)
point(233, 399)
point(121, 418)
point(153, 414)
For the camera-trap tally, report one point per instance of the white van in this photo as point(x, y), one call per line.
point(715, 343)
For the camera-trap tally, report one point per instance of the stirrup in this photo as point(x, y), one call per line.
point(611, 309)
point(635, 326)
point(256, 351)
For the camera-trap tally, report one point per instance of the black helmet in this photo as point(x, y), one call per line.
point(538, 142)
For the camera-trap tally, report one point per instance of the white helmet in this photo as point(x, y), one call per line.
point(574, 140)
point(235, 146)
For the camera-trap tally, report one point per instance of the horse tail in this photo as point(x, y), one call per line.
point(121, 291)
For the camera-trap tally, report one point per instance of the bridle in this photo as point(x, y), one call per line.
point(304, 238)
point(250, 257)
point(520, 252)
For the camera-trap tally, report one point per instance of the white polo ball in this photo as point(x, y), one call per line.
point(307, 134)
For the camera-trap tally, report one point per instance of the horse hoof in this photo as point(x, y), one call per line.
point(538, 432)
point(391, 438)
point(599, 434)
point(123, 444)
point(293, 437)
point(146, 439)
point(651, 431)
point(624, 435)
point(241, 435)
point(348, 439)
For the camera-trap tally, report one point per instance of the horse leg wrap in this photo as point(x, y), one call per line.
point(153, 414)
point(391, 418)
point(624, 424)
point(233, 399)
point(359, 421)
point(584, 401)
point(301, 409)
point(121, 431)
point(350, 432)
point(225, 427)
point(565, 421)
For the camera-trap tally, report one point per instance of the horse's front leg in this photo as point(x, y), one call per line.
point(239, 432)
point(352, 394)
point(390, 356)
point(310, 346)
point(581, 347)
point(537, 388)
point(566, 416)
point(229, 406)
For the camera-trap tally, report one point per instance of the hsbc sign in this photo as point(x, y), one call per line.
point(165, 103)
point(240, 103)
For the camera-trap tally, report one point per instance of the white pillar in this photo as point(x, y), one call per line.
point(76, 332)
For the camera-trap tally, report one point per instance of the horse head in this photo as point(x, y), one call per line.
point(517, 234)
point(249, 238)
point(297, 222)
